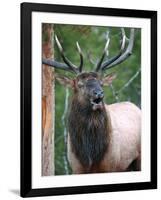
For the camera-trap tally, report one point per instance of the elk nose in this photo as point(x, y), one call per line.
point(98, 93)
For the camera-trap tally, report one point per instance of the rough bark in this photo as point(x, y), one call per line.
point(48, 102)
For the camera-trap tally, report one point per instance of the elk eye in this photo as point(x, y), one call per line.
point(80, 84)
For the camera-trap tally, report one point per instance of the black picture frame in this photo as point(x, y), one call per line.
point(26, 104)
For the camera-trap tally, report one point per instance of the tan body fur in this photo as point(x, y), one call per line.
point(125, 141)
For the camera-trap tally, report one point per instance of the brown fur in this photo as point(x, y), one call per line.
point(89, 133)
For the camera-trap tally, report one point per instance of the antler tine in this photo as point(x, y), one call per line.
point(124, 55)
point(123, 39)
point(70, 65)
point(56, 64)
point(111, 60)
point(103, 55)
point(81, 57)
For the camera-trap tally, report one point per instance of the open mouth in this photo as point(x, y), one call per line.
point(97, 103)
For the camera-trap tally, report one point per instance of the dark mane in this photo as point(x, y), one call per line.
point(89, 132)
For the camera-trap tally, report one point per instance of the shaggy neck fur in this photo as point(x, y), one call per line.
point(89, 132)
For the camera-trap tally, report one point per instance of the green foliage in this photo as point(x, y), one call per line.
point(92, 41)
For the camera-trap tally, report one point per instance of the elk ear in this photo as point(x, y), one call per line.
point(65, 81)
point(107, 80)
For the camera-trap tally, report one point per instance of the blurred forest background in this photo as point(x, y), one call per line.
point(126, 87)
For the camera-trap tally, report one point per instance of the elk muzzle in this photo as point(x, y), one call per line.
point(97, 99)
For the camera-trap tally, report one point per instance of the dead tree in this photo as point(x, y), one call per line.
point(47, 103)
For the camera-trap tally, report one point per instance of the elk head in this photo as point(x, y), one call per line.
point(88, 86)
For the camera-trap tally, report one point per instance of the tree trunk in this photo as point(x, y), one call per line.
point(48, 103)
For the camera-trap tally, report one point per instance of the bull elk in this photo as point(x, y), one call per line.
point(101, 137)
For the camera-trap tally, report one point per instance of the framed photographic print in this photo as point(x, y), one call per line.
point(88, 99)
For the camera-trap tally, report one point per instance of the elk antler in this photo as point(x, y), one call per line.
point(103, 55)
point(81, 57)
point(121, 56)
point(67, 65)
